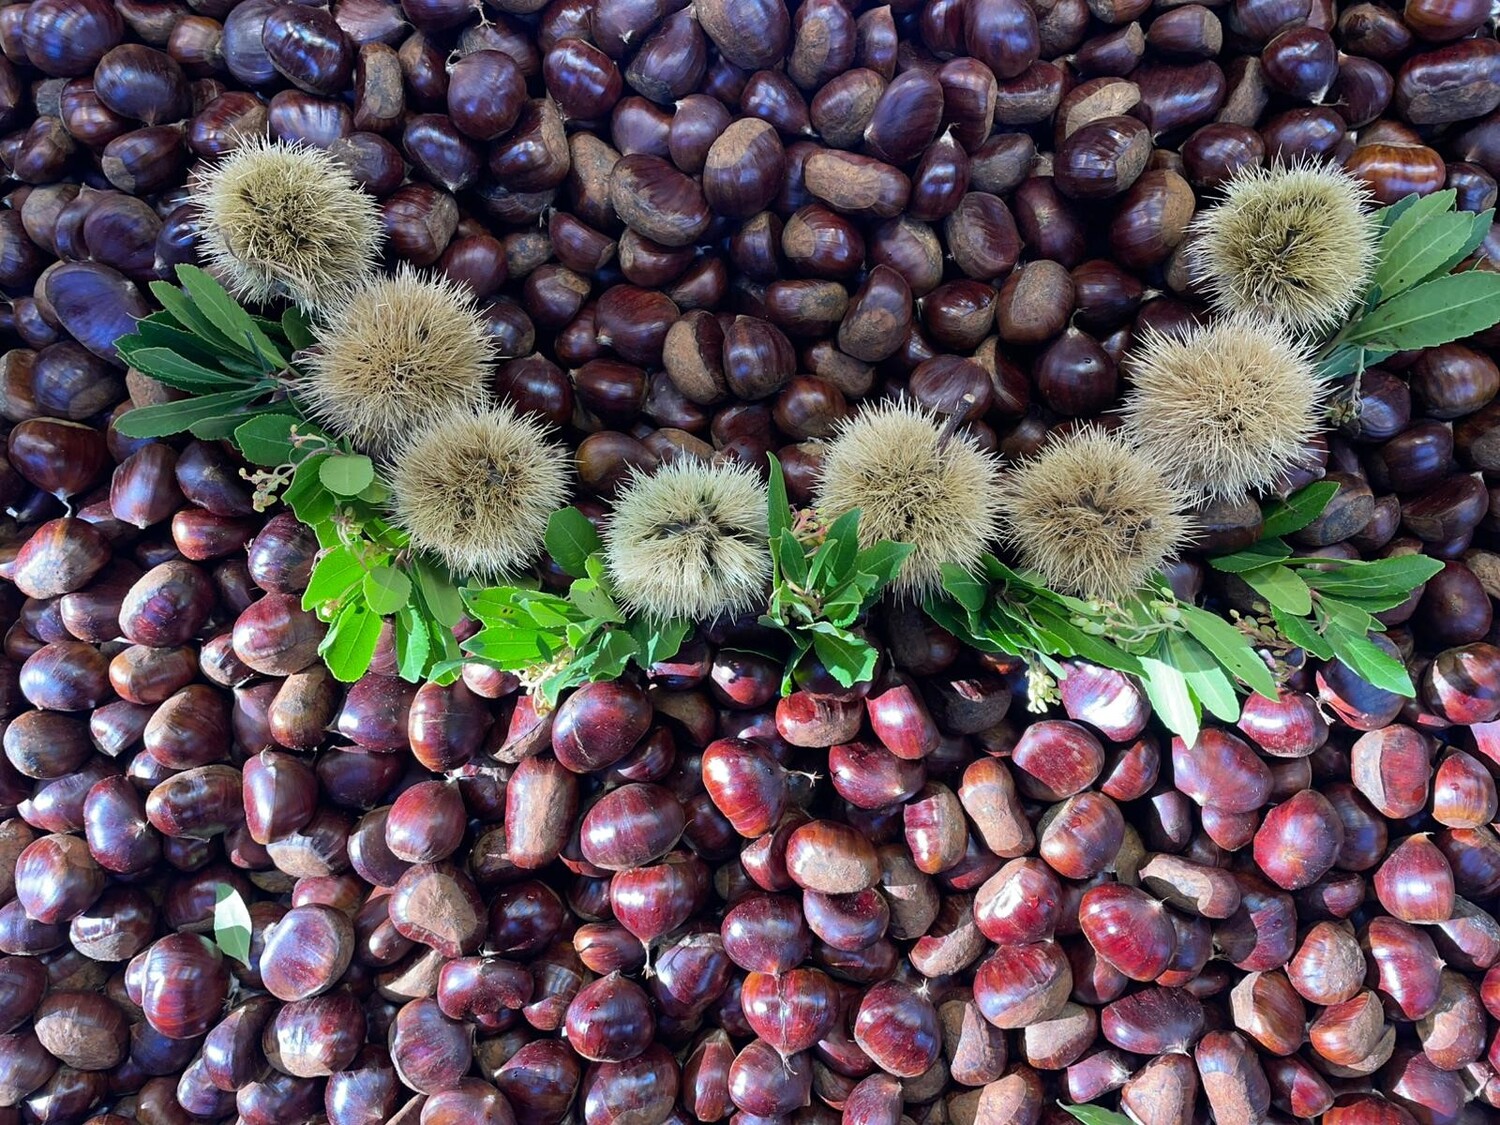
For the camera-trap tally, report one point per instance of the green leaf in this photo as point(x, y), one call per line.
point(161, 330)
point(439, 594)
point(801, 646)
point(297, 329)
point(1399, 574)
point(997, 571)
point(1301, 633)
point(947, 614)
point(413, 644)
point(1479, 226)
point(333, 575)
point(1386, 217)
point(613, 652)
point(1096, 649)
point(1369, 662)
point(175, 301)
point(966, 590)
point(306, 496)
point(386, 590)
point(266, 439)
point(1167, 689)
point(778, 508)
point(346, 474)
point(570, 540)
point(1207, 681)
point(1418, 242)
point(494, 603)
point(846, 603)
point(849, 659)
point(1281, 588)
point(1265, 553)
point(1373, 603)
point(1435, 312)
point(232, 924)
point(168, 418)
point(1340, 360)
point(1096, 1115)
point(225, 313)
point(376, 494)
point(224, 425)
point(792, 556)
point(883, 560)
point(570, 676)
point(1229, 647)
point(349, 645)
point(509, 648)
point(659, 641)
point(839, 550)
point(550, 612)
point(1297, 510)
point(1333, 613)
point(166, 366)
point(591, 598)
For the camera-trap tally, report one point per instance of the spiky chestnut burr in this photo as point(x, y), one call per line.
point(1093, 516)
point(476, 489)
point(401, 351)
point(1292, 244)
point(690, 541)
point(286, 220)
point(1226, 408)
point(915, 482)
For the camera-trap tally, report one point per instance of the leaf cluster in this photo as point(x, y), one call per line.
point(1187, 659)
point(1327, 606)
point(822, 582)
point(232, 365)
point(1415, 300)
point(366, 570)
point(558, 642)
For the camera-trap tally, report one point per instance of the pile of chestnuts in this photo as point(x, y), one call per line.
point(681, 897)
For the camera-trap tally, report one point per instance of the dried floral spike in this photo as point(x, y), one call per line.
point(476, 489)
point(401, 351)
point(1293, 244)
point(1226, 408)
point(1093, 516)
point(690, 541)
point(286, 220)
point(913, 482)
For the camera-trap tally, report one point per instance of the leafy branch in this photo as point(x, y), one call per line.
point(235, 369)
point(233, 366)
point(557, 642)
point(1327, 607)
point(1415, 300)
point(822, 582)
point(1187, 659)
